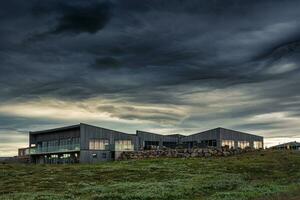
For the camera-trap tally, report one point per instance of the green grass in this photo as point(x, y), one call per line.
point(257, 175)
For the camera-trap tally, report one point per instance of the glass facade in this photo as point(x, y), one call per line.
point(62, 145)
point(123, 145)
point(257, 144)
point(243, 144)
point(208, 143)
point(151, 145)
point(59, 158)
point(229, 143)
point(170, 144)
point(99, 144)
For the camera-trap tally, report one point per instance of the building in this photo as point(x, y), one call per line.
point(290, 145)
point(148, 140)
point(23, 155)
point(220, 137)
point(79, 143)
point(85, 143)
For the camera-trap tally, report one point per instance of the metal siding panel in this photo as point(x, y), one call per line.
point(146, 136)
point(92, 132)
point(55, 135)
point(239, 136)
point(206, 135)
point(86, 156)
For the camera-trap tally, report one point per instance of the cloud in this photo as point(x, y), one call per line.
point(283, 68)
point(94, 109)
point(79, 18)
point(148, 113)
point(10, 141)
point(163, 65)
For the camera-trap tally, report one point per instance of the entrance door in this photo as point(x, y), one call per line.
point(113, 155)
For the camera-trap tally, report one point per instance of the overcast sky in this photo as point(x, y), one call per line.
point(166, 66)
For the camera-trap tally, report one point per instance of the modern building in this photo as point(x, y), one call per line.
point(290, 145)
point(79, 143)
point(220, 137)
point(85, 143)
point(148, 140)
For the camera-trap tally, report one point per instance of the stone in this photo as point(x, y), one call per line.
point(207, 155)
point(182, 153)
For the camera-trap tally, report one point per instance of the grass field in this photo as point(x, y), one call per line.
point(260, 175)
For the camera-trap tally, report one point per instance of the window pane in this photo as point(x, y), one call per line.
point(92, 144)
point(123, 145)
point(98, 144)
point(229, 143)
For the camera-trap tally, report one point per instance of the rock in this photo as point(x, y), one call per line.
point(207, 155)
point(194, 154)
point(183, 153)
point(226, 153)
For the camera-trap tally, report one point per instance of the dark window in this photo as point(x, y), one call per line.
point(151, 144)
point(190, 144)
point(170, 144)
point(104, 156)
point(214, 143)
point(208, 143)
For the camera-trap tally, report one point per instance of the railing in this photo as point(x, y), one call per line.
point(55, 149)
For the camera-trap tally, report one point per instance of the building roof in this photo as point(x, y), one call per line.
point(220, 128)
point(71, 127)
point(240, 132)
point(175, 135)
point(172, 135)
point(294, 143)
point(55, 129)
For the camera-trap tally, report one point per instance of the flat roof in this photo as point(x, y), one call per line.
point(170, 135)
point(72, 127)
point(55, 129)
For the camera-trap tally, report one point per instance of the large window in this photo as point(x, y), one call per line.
point(62, 145)
point(229, 143)
point(65, 144)
point(170, 144)
point(208, 143)
point(257, 145)
point(243, 144)
point(98, 144)
point(151, 145)
point(53, 145)
point(123, 145)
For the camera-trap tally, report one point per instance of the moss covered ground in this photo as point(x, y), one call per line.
point(271, 175)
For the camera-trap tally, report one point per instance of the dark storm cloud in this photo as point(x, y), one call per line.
point(261, 126)
point(148, 114)
point(154, 52)
point(165, 43)
point(75, 16)
point(23, 125)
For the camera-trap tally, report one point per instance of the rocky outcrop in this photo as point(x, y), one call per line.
point(183, 153)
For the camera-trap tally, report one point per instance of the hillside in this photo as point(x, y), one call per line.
point(260, 175)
